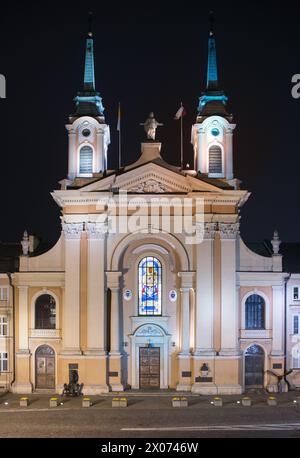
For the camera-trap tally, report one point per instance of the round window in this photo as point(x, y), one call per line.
point(215, 132)
point(86, 132)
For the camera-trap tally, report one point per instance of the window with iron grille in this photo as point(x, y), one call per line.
point(255, 312)
point(3, 326)
point(296, 324)
point(215, 160)
point(86, 160)
point(3, 362)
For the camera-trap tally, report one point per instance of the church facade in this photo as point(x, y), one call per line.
point(150, 285)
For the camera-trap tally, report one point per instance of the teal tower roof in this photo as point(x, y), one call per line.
point(212, 69)
point(88, 102)
point(213, 100)
point(89, 70)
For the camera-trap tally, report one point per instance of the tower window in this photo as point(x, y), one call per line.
point(86, 160)
point(296, 324)
point(150, 286)
point(215, 160)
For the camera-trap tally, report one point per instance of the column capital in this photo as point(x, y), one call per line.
point(72, 231)
point(113, 279)
point(229, 231)
point(278, 287)
point(207, 229)
point(187, 279)
point(96, 230)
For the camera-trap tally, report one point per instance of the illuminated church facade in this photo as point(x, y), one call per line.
point(129, 308)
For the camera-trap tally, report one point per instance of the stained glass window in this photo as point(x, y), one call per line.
point(255, 312)
point(150, 286)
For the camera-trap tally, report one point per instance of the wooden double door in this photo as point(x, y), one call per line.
point(45, 367)
point(149, 367)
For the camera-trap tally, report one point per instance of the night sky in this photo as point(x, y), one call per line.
point(149, 58)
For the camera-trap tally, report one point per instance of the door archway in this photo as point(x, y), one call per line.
point(45, 367)
point(254, 367)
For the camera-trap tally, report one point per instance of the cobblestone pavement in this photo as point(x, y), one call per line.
point(151, 415)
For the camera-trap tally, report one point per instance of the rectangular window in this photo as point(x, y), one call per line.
point(3, 362)
point(296, 324)
point(3, 326)
point(4, 293)
point(296, 293)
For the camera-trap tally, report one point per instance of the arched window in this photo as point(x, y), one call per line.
point(215, 160)
point(296, 358)
point(255, 312)
point(45, 312)
point(86, 160)
point(149, 286)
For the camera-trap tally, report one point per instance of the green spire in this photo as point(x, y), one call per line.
point(213, 100)
point(89, 70)
point(212, 70)
point(88, 102)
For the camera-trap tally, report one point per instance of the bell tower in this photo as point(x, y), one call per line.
point(89, 135)
point(212, 134)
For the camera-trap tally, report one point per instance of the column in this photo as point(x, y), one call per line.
point(22, 382)
point(278, 321)
point(71, 315)
point(103, 140)
point(201, 153)
point(115, 356)
point(228, 155)
point(72, 157)
point(205, 293)
point(229, 305)
point(96, 317)
point(184, 357)
point(228, 363)
point(96, 364)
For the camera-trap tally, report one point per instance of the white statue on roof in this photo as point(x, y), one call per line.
point(150, 126)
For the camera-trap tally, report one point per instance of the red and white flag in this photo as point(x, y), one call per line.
point(180, 113)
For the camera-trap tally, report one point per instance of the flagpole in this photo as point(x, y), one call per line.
point(181, 140)
point(119, 129)
point(120, 161)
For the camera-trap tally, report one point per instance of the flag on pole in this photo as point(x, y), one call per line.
point(180, 113)
point(119, 118)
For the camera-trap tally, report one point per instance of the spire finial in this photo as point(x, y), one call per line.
point(90, 32)
point(211, 23)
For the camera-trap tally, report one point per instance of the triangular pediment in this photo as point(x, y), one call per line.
point(151, 178)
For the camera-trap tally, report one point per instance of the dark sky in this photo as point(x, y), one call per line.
point(149, 57)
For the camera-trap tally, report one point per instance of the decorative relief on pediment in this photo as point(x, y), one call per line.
point(150, 186)
point(154, 182)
